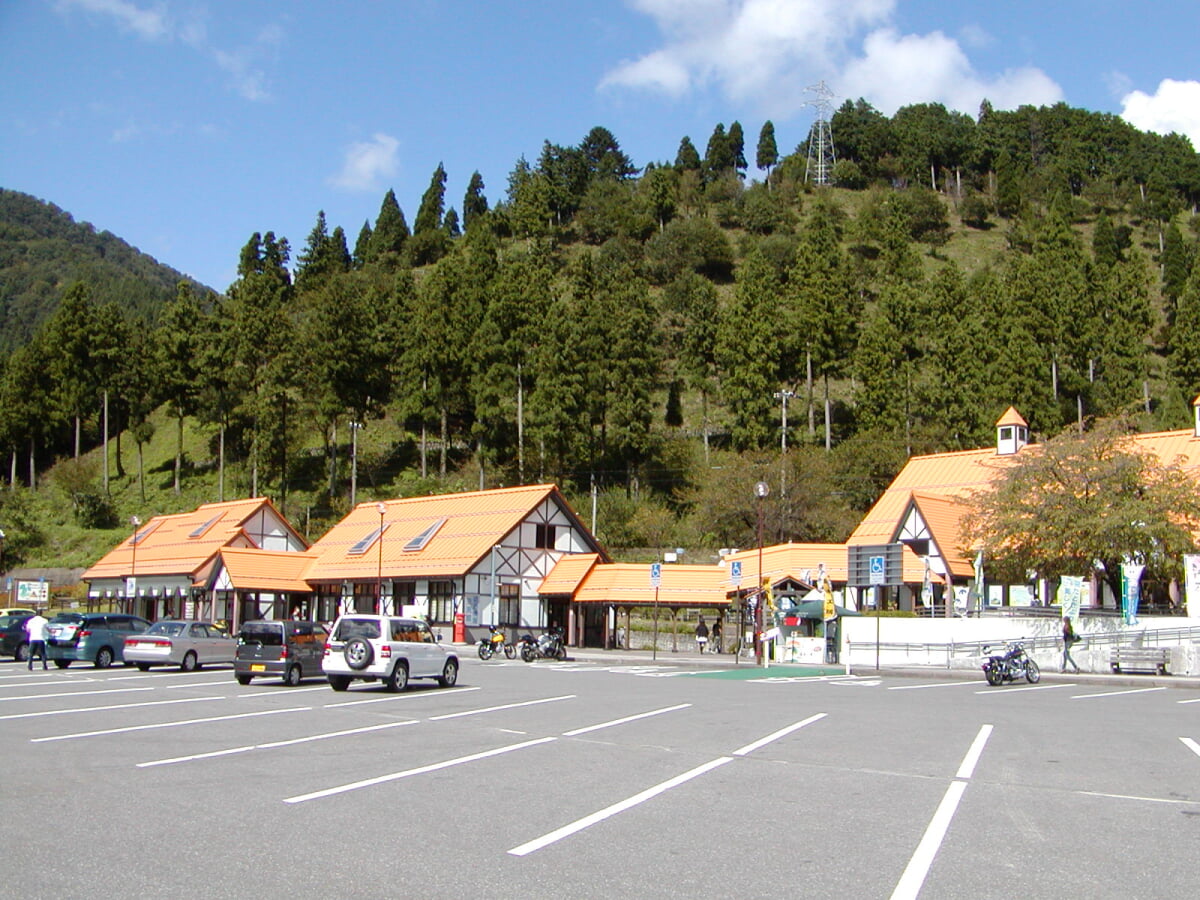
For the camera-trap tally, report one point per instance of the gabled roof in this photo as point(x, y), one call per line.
point(628, 584)
point(183, 543)
point(943, 517)
point(251, 569)
point(457, 531)
point(1011, 417)
point(568, 573)
point(956, 476)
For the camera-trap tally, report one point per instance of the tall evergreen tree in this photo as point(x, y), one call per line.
point(433, 204)
point(391, 230)
point(475, 204)
point(767, 154)
point(737, 145)
point(177, 353)
point(687, 158)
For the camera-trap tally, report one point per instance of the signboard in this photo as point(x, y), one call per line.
point(875, 565)
point(33, 593)
point(1191, 569)
point(655, 574)
point(735, 573)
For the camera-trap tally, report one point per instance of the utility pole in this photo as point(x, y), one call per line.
point(819, 167)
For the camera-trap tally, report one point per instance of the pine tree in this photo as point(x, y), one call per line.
point(767, 154)
point(391, 231)
point(433, 204)
point(475, 204)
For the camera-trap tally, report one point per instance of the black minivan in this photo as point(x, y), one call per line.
point(282, 648)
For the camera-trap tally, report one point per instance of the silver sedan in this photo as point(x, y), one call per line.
point(174, 642)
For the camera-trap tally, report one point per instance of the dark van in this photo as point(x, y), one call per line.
point(279, 648)
point(98, 638)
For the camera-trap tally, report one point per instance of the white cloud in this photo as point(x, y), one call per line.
point(768, 51)
point(149, 23)
point(1175, 106)
point(366, 163)
point(243, 65)
point(895, 70)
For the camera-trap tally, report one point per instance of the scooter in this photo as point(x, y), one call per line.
point(1010, 665)
point(547, 646)
point(494, 643)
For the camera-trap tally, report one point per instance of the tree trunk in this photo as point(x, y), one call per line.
point(221, 465)
point(520, 426)
point(141, 473)
point(808, 387)
point(78, 431)
point(178, 453)
point(106, 441)
point(32, 466)
point(445, 440)
point(828, 418)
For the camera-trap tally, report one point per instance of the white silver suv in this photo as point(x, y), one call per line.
point(386, 648)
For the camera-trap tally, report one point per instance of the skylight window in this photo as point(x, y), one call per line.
point(139, 536)
point(361, 547)
point(419, 542)
point(200, 529)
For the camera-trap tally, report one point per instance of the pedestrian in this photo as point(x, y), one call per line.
point(716, 635)
point(701, 635)
point(1070, 639)
point(35, 632)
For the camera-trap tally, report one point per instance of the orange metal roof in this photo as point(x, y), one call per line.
point(251, 569)
point(167, 546)
point(943, 517)
point(473, 523)
point(1011, 417)
point(568, 572)
point(956, 476)
point(628, 584)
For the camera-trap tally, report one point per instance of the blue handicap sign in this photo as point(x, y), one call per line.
point(877, 570)
point(655, 574)
point(735, 571)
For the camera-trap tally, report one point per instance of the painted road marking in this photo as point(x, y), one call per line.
point(1118, 693)
point(917, 869)
point(272, 745)
point(774, 736)
point(129, 728)
point(645, 715)
point(420, 770)
point(87, 709)
point(73, 694)
point(388, 697)
point(488, 709)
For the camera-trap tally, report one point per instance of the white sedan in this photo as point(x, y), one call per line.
point(174, 642)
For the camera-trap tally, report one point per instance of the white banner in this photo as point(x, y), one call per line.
point(1070, 595)
point(1191, 575)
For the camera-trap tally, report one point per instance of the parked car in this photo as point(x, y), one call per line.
point(98, 638)
point(175, 642)
point(286, 649)
point(13, 640)
point(16, 611)
point(385, 648)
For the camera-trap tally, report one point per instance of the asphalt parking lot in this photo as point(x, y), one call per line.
point(586, 779)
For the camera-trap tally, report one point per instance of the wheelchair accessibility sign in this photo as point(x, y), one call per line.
point(877, 570)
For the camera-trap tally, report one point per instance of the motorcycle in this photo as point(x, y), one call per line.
point(495, 643)
point(1010, 665)
point(547, 646)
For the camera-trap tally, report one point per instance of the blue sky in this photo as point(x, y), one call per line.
point(184, 127)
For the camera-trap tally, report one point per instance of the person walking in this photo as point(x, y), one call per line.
point(701, 635)
point(1070, 639)
point(716, 635)
point(35, 633)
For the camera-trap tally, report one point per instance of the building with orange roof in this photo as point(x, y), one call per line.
point(924, 506)
point(165, 568)
point(470, 560)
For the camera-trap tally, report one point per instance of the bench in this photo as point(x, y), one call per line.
point(1140, 659)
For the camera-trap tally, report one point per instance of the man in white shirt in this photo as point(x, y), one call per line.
point(35, 630)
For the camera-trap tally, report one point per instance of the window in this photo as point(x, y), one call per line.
point(404, 593)
point(200, 529)
point(360, 548)
point(441, 601)
point(510, 604)
point(419, 542)
point(544, 536)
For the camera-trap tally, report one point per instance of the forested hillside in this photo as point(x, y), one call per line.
point(644, 327)
point(43, 250)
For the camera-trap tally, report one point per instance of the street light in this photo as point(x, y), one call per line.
point(133, 542)
point(382, 508)
point(761, 489)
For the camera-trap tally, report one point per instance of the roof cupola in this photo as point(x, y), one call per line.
point(1012, 432)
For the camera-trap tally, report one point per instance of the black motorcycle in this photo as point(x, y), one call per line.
point(495, 643)
point(547, 646)
point(1010, 665)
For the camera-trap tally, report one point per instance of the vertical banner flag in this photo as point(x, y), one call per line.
point(1191, 570)
point(1071, 594)
point(1131, 590)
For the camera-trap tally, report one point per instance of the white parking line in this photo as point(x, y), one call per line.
point(420, 770)
point(129, 728)
point(488, 709)
point(1028, 687)
point(272, 745)
point(921, 687)
point(289, 691)
point(1117, 693)
point(645, 715)
point(72, 694)
point(87, 709)
point(387, 697)
point(782, 732)
point(913, 878)
point(628, 803)
point(1191, 745)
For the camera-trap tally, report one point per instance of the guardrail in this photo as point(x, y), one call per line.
point(942, 654)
